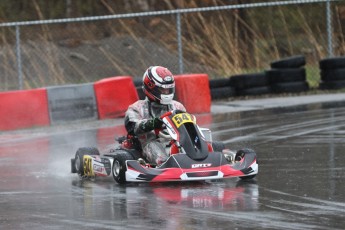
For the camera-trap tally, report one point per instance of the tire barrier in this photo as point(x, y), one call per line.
point(250, 84)
point(23, 109)
point(255, 91)
point(290, 62)
point(140, 92)
point(72, 102)
point(193, 91)
point(332, 63)
point(290, 87)
point(110, 97)
point(332, 71)
point(287, 80)
point(138, 83)
point(288, 75)
point(221, 88)
point(114, 95)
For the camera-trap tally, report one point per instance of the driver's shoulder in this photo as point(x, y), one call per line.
point(138, 104)
point(136, 108)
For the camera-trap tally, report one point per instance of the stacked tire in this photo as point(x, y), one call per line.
point(221, 88)
point(332, 71)
point(138, 82)
point(288, 75)
point(250, 84)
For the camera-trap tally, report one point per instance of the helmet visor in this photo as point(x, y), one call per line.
point(166, 91)
point(160, 91)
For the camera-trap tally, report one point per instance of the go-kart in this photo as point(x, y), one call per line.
point(193, 156)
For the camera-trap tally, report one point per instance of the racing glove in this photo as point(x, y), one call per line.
point(151, 124)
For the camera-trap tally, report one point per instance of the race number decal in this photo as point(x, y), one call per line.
point(182, 118)
point(88, 171)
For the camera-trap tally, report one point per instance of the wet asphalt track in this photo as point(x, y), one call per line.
point(300, 183)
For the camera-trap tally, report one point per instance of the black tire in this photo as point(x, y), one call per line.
point(245, 81)
point(255, 91)
point(218, 146)
point(333, 75)
point(222, 93)
point(332, 85)
point(239, 155)
point(286, 75)
point(137, 82)
point(219, 83)
point(290, 87)
point(290, 62)
point(332, 63)
point(78, 160)
point(73, 168)
point(247, 177)
point(119, 166)
point(140, 92)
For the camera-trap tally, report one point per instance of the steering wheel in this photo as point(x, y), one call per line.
point(161, 132)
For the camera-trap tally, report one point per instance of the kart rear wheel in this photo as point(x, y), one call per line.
point(119, 166)
point(240, 155)
point(247, 177)
point(78, 160)
point(242, 152)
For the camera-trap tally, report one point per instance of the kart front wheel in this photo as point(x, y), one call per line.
point(119, 166)
point(79, 156)
point(73, 168)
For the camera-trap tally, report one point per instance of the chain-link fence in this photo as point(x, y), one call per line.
point(219, 41)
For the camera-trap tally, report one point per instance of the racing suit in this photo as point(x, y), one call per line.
point(153, 147)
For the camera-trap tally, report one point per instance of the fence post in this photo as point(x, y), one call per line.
point(19, 59)
point(179, 42)
point(329, 28)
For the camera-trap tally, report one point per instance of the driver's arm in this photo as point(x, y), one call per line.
point(136, 125)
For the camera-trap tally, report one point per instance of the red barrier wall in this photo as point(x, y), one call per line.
point(204, 120)
point(114, 95)
point(23, 109)
point(193, 91)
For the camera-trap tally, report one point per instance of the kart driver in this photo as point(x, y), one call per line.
point(143, 116)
